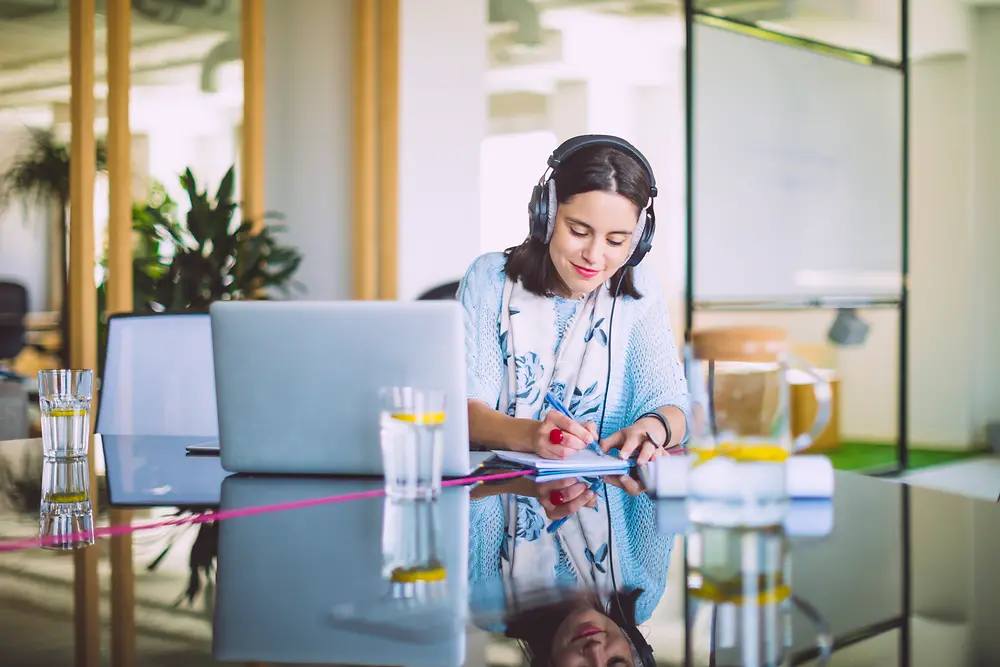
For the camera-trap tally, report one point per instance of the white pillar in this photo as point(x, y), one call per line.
point(442, 124)
point(307, 145)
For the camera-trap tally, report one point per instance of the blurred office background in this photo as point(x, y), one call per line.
point(485, 91)
point(400, 139)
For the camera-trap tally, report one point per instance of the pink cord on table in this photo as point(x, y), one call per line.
point(110, 531)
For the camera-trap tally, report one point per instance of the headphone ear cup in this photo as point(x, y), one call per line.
point(538, 213)
point(550, 222)
point(645, 243)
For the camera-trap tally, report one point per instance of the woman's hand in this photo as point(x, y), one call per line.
point(637, 437)
point(563, 497)
point(558, 436)
point(628, 484)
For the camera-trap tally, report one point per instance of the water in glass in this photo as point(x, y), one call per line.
point(66, 516)
point(411, 434)
point(64, 398)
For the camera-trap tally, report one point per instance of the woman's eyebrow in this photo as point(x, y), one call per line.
point(577, 221)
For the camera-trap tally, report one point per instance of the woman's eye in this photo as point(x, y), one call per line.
point(615, 243)
point(576, 232)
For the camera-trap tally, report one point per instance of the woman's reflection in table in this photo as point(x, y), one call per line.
point(568, 567)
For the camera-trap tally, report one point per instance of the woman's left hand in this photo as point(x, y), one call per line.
point(636, 437)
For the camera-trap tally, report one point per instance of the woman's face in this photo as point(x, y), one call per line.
point(588, 638)
point(591, 239)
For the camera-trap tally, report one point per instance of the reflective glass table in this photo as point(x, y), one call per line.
point(884, 574)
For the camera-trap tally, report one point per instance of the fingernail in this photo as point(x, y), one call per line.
point(590, 494)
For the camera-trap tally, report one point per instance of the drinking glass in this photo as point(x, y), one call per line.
point(420, 605)
point(66, 515)
point(411, 436)
point(64, 399)
point(740, 433)
point(409, 547)
point(739, 583)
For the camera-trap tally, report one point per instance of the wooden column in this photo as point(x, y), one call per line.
point(365, 194)
point(376, 148)
point(388, 148)
point(83, 295)
point(252, 167)
point(119, 46)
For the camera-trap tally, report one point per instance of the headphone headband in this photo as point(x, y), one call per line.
point(573, 144)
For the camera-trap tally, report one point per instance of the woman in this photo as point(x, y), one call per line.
point(539, 316)
point(548, 316)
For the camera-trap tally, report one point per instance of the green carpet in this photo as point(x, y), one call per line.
point(853, 455)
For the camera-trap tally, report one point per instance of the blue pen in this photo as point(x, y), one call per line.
point(557, 404)
point(555, 525)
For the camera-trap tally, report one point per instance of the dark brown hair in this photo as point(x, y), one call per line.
point(535, 628)
point(592, 168)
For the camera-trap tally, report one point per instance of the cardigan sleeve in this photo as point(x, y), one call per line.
point(654, 375)
point(481, 293)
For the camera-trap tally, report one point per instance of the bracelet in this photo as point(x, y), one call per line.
point(663, 420)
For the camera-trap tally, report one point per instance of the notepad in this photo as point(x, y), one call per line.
point(583, 461)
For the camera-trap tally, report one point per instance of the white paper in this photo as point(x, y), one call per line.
point(582, 461)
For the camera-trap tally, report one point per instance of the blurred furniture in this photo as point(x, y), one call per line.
point(13, 308)
point(158, 379)
point(14, 406)
point(29, 342)
point(445, 292)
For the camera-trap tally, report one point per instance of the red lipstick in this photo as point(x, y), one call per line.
point(586, 273)
point(587, 631)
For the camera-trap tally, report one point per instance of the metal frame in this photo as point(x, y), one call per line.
point(691, 15)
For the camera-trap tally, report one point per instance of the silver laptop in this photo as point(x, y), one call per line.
point(307, 585)
point(297, 382)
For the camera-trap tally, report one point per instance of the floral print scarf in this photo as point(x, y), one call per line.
point(537, 360)
point(546, 348)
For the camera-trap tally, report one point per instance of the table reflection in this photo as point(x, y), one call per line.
point(568, 567)
point(337, 583)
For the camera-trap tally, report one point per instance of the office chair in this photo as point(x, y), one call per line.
point(13, 308)
point(445, 292)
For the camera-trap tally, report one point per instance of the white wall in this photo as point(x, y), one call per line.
point(984, 397)
point(941, 246)
point(442, 109)
point(307, 163)
point(23, 233)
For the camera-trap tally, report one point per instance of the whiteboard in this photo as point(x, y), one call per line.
point(797, 172)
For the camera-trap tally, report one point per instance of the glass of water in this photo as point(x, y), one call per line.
point(66, 516)
point(411, 426)
point(740, 427)
point(410, 546)
point(64, 399)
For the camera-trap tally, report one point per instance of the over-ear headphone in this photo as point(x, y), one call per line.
point(543, 204)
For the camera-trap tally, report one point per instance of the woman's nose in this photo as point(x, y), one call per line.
point(594, 654)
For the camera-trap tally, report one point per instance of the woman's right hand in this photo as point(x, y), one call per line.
point(562, 497)
point(570, 436)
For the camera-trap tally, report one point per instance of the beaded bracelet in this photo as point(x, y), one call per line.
point(663, 420)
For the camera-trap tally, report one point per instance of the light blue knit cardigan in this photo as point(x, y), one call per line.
point(650, 377)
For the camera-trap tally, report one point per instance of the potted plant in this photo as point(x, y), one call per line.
point(40, 176)
point(214, 256)
point(211, 256)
